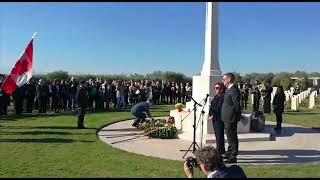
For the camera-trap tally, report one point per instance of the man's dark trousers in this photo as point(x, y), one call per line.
point(81, 114)
point(232, 137)
point(141, 117)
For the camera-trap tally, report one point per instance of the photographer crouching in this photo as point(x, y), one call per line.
point(210, 161)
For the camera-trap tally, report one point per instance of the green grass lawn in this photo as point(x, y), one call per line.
point(51, 146)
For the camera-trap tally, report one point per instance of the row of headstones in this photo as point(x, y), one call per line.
point(297, 99)
point(274, 91)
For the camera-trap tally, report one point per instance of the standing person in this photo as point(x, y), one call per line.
point(188, 91)
point(183, 93)
point(114, 93)
point(278, 104)
point(4, 101)
point(63, 95)
point(56, 102)
point(73, 92)
point(132, 90)
point(230, 115)
point(244, 96)
point(168, 93)
point(256, 97)
point(215, 116)
point(42, 96)
point(120, 95)
point(163, 93)
point(138, 111)
point(267, 97)
point(173, 93)
point(178, 93)
point(18, 96)
point(29, 95)
point(83, 102)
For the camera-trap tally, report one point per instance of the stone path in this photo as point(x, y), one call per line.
point(296, 144)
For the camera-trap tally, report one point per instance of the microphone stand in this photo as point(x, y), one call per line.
point(201, 117)
point(194, 143)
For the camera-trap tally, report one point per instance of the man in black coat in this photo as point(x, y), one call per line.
point(4, 101)
point(267, 98)
point(42, 96)
point(256, 97)
point(230, 115)
point(83, 103)
point(18, 96)
point(29, 95)
point(278, 104)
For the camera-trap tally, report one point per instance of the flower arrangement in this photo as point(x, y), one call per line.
point(160, 128)
point(179, 106)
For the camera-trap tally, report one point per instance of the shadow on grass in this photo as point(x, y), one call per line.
point(44, 140)
point(40, 127)
point(279, 156)
point(41, 133)
point(302, 113)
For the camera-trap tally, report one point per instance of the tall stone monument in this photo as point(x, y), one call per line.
point(202, 85)
point(210, 74)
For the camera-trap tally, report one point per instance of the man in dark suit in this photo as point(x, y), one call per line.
point(83, 103)
point(42, 96)
point(267, 97)
point(230, 115)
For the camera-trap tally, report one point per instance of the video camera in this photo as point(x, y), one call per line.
point(192, 162)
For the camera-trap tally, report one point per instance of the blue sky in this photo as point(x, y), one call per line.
point(108, 38)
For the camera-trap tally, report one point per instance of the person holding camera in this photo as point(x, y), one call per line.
point(210, 162)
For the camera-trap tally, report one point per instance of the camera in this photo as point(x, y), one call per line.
point(192, 162)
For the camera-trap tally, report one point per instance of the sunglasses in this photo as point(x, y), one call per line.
point(217, 87)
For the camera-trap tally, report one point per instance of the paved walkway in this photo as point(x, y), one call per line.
point(296, 144)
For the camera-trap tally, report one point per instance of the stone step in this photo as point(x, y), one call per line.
point(245, 137)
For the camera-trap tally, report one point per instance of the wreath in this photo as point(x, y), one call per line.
point(159, 128)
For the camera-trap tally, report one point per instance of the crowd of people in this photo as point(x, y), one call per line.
point(60, 95)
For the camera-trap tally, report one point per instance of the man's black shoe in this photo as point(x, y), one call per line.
point(135, 125)
point(231, 161)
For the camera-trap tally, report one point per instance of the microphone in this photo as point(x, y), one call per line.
point(194, 100)
point(207, 97)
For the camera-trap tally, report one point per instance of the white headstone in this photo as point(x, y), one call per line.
point(312, 100)
point(252, 95)
point(294, 105)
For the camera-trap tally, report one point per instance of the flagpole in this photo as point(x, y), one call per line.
point(34, 35)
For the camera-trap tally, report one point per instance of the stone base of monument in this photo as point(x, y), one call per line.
point(184, 122)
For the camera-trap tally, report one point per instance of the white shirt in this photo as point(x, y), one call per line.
point(211, 175)
point(230, 85)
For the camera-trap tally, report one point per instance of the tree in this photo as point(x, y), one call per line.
point(283, 79)
point(57, 75)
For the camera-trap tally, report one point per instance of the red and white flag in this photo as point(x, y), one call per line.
point(21, 72)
